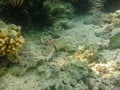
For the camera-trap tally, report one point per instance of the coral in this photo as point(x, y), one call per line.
point(113, 19)
point(85, 54)
point(11, 39)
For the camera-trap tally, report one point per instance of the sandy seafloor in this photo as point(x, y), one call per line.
point(40, 49)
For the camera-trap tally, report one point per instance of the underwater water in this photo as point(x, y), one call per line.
point(59, 45)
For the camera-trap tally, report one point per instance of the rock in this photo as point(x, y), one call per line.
point(17, 70)
point(115, 41)
point(94, 20)
point(64, 43)
point(97, 84)
point(117, 66)
point(117, 81)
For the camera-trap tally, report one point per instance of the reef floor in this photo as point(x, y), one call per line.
point(48, 60)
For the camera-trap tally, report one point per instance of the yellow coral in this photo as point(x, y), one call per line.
point(79, 55)
point(11, 39)
point(86, 55)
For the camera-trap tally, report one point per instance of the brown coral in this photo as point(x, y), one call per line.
point(84, 55)
point(11, 39)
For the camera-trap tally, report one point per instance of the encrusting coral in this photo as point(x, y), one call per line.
point(11, 39)
point(86, 54)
